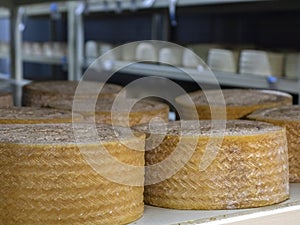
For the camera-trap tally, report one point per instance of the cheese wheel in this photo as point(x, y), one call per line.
point(190, 59)
point(41, 94)
point(32, 115)
point(142, 112)
point(288, 117)
point(171, 56)
point(250, 168)
point(45, 179)
point(261, 63)
point(223, 60)
point(6, 99)
point(146, 52)
point(292, 65)
point(238, 102)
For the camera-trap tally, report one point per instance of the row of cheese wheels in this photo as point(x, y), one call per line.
point(51, 177)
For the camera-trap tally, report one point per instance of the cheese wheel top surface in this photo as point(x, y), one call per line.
point(59, 134)
point(204, 128)
point(69, 87)
point(106, 105)
point(3, 93)
point(236, 97)
point(33, 113)
point(291, 112)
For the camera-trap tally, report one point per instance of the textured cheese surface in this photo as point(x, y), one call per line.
point(6, 99)
point(238, 102)
point(43, 93)
point(109, 111)
point(45, 179)
point(29, 115)
point(250, 169)
point(288, 117)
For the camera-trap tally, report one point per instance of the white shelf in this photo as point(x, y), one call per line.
point(54, 60)
point(229, 79)
point(97, 6)
point(4, 76)
point(286, 213)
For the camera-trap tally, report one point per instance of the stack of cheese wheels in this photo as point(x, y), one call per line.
point(32, 115)
point(46, 179)
point(41, 94)
point(6, 99)
point(288, 117)
point(238, 103)
point(250, 168)
point(106, 112)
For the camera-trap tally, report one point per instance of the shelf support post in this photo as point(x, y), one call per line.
point(16, 66)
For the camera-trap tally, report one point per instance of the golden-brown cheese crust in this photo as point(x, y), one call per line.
point(250, 170)
point(142, 112)
point(45, 179)
point(288, 117)
point(238, 102)
point(6, 99)
point(32, 115)
point(41, 94)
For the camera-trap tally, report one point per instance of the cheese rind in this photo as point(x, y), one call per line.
point(41, 94)
point(237, 103)
point(6, 99)
point(32, 115)
point(250, 169)
point(106, 112)
point(288, 117)
point(45, 178)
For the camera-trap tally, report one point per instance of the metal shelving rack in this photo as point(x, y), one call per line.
point(75, 58)
point(15, 53)
point(224, 78)
point(229, 79)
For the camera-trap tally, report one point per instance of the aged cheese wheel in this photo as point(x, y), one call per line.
point(31, 115)
point(45, 179)
point(6, 99)
point(41, 94)
point(223, 60)
point(171, 56)
point(146, 52)
point(250, 168)
point(288, 117)
point(238, 102)
point(142, 112)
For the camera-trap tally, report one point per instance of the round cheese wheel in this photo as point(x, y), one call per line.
point(250, 168)
point(32, 115)
point(45, 179)
point(6, 99)
point(288, 117)
point(171, 56)
point(141, 112)
point(238, 102)
point(41, 94)
point(146, 52)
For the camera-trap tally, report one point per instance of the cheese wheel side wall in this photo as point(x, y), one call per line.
point(6, 100)
point(53, 184)
point(135, 118)
point(293, 138)
point(249, 171)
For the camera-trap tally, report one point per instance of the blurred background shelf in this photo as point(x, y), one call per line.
point(219, 20)
point(224, 78)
